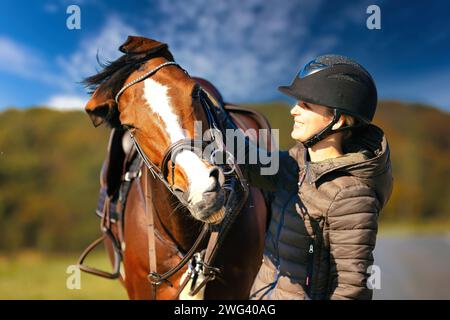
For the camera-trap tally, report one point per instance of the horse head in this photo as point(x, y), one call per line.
point(159, 109)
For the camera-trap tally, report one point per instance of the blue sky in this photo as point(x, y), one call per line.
point(247, 48)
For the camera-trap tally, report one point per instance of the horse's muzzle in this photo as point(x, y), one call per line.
point(210, 208)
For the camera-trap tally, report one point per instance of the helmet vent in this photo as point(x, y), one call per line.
point(345, 76)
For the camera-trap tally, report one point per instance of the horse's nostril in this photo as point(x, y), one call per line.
point(214, 172)
point(218, 179)
point(217, 174)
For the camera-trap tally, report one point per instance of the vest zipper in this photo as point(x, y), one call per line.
point(309, 272)
point(310, 263)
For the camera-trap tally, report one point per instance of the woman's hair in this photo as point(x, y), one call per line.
point(349, 121)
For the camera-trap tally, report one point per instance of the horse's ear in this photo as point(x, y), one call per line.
point(141, 45)
point(101, 110)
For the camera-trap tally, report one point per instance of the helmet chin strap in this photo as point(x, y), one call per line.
point(325, 131)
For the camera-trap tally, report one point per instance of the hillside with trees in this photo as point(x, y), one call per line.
point(50, 162)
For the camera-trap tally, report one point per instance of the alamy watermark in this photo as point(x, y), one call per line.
point(73, 21)
point(73, 281)
point(374, 280)
point(373, 22)
point(235, 147)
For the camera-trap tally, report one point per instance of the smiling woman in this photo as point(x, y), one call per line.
point(310, 118)
point(327, 199)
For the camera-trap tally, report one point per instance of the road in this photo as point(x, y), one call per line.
point(413, 267)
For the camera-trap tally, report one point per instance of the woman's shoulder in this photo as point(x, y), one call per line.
point(347, 186)
point(354, 184)
point(349, 194)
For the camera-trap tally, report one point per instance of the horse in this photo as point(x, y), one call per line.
point(178, 197)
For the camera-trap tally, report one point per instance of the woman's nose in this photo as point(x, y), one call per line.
point(295, 110)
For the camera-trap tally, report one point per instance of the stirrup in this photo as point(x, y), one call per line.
point(105, 274)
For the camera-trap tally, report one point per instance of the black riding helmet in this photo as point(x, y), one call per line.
point(339, 83)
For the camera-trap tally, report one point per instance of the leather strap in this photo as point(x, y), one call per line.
point(150, 232)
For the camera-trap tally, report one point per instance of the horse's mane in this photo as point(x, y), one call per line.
point(114, 73)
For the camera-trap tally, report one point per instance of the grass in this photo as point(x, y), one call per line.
point(34, 275)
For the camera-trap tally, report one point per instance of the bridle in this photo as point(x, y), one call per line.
point(235, 186)
point(175, 148)
point(156, 171)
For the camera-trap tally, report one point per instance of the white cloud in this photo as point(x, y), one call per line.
point(27, 62)
point(17, 58)
point(243, 47)
point(83, 61)
point(66, 102)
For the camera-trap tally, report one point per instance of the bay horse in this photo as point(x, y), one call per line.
point(145, 93)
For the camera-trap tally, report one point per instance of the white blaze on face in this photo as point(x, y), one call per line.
point(197, 172)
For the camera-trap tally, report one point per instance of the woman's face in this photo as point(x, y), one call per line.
point(309, 119)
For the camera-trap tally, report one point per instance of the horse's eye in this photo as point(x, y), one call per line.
point(178, 190)
point(127, 126)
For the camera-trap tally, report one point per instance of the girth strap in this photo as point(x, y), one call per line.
point(134, 171)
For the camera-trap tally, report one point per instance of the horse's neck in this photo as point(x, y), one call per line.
point(172, 220)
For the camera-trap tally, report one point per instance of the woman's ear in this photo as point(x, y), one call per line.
point(339, 124)
point(101, 109)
